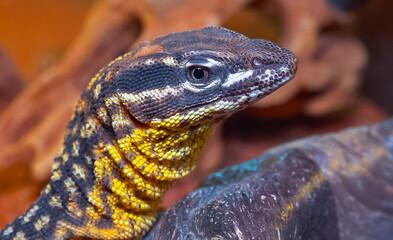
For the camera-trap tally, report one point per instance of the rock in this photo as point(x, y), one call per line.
point(335, 186)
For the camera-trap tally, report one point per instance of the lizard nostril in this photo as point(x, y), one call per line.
point(258, 62)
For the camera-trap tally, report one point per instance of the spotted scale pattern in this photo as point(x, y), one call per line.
point(141, 124)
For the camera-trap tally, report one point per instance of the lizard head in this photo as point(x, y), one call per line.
point(195, 77)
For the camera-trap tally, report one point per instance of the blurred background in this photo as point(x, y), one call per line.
point(49, 49)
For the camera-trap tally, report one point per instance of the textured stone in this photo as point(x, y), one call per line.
point(335, 186)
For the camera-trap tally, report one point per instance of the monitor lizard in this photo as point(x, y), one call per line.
point(141, 124)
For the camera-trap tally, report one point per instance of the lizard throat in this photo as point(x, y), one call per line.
point(114, 180)
point(133, 172)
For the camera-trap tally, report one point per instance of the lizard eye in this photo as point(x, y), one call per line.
point(198, 74)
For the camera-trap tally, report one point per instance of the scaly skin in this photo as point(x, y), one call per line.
point(141, 124)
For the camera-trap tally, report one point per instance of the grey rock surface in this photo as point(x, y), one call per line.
point(335, 186)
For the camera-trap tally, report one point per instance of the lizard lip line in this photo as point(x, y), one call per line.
point(275, 86)
point(252, 90)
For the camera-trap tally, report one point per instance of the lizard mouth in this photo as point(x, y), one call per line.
point(260, 84)
point(242, 99)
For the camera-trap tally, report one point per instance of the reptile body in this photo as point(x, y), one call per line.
point(141, 124)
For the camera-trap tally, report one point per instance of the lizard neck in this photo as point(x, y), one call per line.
point(146, 162)
point(110, 176)
point(137, 167)
point(123, 169)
